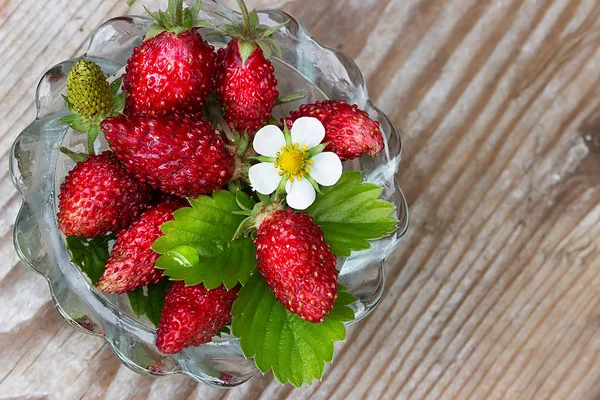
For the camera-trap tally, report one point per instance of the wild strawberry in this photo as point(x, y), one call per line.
point(246, 89)
point(131, 263)
point(192, 315)
point(174, 68)
point(99, 196)
point(348, 129)
point(246, 81)
point(297, 263)
point(179, 155)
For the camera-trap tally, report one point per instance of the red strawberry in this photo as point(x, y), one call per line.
point(297, 263)
point(246, 81)
point(348, 129)
point(100, 196)
point(173, 70)
point(179, 155)
point(246, 89)
point(131, 263)
point(192, 315)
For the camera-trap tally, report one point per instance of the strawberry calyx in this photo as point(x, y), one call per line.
point(176, 19)
point(250, 36)
point(256, 216)
point(239, 144)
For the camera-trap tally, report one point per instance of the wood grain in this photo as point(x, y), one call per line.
point(496, 292)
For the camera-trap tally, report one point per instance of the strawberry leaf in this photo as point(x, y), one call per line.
point(198, 248)
point(351, 214)
point(138, 301)
point(90, 255)
point(149, 301)
point(295, 350)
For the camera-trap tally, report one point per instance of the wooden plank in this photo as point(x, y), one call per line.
point(495, 291)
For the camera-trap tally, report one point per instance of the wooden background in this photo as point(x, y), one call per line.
point(496, 291)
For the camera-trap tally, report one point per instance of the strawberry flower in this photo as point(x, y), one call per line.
point(294, 162)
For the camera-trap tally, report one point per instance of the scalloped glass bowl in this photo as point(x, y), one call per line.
point(38, 169)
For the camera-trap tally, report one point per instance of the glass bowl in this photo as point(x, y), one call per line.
point(38, 169)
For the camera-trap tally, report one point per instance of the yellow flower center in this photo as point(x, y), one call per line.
point(292, 162)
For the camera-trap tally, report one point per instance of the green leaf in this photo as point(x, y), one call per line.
point(130, 2)
point(295, 350)
point(197, 246)
point(263, 198)
point(154, 30)
point(224, 331)
point(244, 11)
point(166, 20)
point(176, 12)
point(316, 150)
point(265, 49)
point(351, 214)
point(149, 301)
point(274, 44)
point(115, 86)
point(81, 124)
point(206, 24)
point(269, 32)
point(69, 119)
point(138, 301)
point(246, 49)
point(188, 20)
point(68, 103)
point(155, 15)
point(77, 157)
point(253, 20)
point(90, 255)
point(118, 104)
point(156, 296)
point(195, 10)
point(265, 159)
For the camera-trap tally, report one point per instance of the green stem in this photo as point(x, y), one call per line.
point(291, 97)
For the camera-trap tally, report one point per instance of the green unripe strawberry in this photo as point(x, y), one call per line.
point(90, 99)
point(88, 90)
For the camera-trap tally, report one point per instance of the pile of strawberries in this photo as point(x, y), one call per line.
point(163, 150)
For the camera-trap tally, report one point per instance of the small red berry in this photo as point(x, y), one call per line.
point(297, 263)
point(348, 129)
point(179, 155)
point(248, 90)
point(192, 315)
point(170, 72)
point(131, 263)
point(100, 196)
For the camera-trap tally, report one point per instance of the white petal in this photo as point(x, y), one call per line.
point(308, 131)
point(327, 168)
point(300, 194)
point(264, 178)
point(268, 141)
